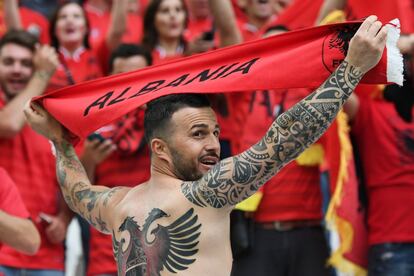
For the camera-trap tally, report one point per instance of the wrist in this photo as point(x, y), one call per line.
point(60, 144)
point(354, 67)
point(43, 75)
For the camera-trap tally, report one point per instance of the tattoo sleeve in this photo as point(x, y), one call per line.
point(91, 202)
point(236, 178)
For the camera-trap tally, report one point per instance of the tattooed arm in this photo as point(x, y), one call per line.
point(236, 178)
point(94, 203)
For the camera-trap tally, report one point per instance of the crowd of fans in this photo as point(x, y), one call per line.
point(47, 45)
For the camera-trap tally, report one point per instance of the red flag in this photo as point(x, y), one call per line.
point(303, 58)
point(386, 10)
point(344, 218)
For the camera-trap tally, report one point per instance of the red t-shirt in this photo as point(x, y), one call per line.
point(248, 31)
point(33, 22)
point(83, 66)
point(386, 146)
point(10, 200)
point(294, 193)
point(195, 28)
point(159, 56)
point(28, 159)
point(99, 24)
point(128, 166)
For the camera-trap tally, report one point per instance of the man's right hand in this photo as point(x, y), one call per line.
point(45, 60)
point(367, 45)
point(43, 123)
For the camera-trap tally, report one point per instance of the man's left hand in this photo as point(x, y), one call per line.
point(43, 123)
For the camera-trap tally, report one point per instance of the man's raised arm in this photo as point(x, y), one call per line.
point(236, 178)
point(94, 203)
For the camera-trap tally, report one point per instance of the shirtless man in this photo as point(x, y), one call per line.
point(178, 221)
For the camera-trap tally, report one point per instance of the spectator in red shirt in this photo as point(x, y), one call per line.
point(100, 18)
point(26, 156)
point(200, 19)
point(383, 129)
point(164, 25)
point(288, 238)
point(121, 159)
point(165, 22)
point(16, 17)
point(69, 32)
point(258, 14)
point(16, 228)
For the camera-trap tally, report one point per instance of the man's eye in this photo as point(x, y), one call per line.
point(7, 61)
point(217, 133)
point(198, 134)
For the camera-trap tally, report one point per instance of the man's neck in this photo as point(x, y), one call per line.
point(258, 22)
point(170, 46)
point(72, 51)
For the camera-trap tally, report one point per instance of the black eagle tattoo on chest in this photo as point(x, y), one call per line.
point(148, 252)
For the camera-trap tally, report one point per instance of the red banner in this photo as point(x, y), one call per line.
point(298, 59)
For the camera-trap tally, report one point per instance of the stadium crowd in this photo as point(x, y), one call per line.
point(281, 230)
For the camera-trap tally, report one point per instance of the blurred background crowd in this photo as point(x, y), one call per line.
point(304, 221)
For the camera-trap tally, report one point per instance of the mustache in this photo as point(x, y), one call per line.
point(210, 154)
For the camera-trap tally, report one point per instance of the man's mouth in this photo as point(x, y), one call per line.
point(16, 82)
point(209, 160)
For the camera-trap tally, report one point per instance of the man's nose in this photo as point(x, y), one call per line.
point(213, 144)
point(17, 67)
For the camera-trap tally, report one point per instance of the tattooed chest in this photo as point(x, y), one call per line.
point(152, 248)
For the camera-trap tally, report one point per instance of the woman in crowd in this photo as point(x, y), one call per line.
point(69, 35)
point(69, 31)
point(164, 25)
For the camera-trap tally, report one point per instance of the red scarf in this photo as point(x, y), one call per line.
point(298, 59)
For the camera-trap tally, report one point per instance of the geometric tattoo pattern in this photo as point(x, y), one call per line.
point(236, 178)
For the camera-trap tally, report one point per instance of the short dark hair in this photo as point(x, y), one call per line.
point(160, 111)
point(275, 28)
point(129, 50)
point(19, 37)
point(54, 42)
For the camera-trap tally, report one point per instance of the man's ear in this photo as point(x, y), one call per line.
point(159, 148)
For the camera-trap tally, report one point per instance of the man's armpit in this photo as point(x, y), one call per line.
point(96, 205)
point(225, 185)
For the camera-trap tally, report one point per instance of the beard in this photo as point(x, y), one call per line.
point(184, 169)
